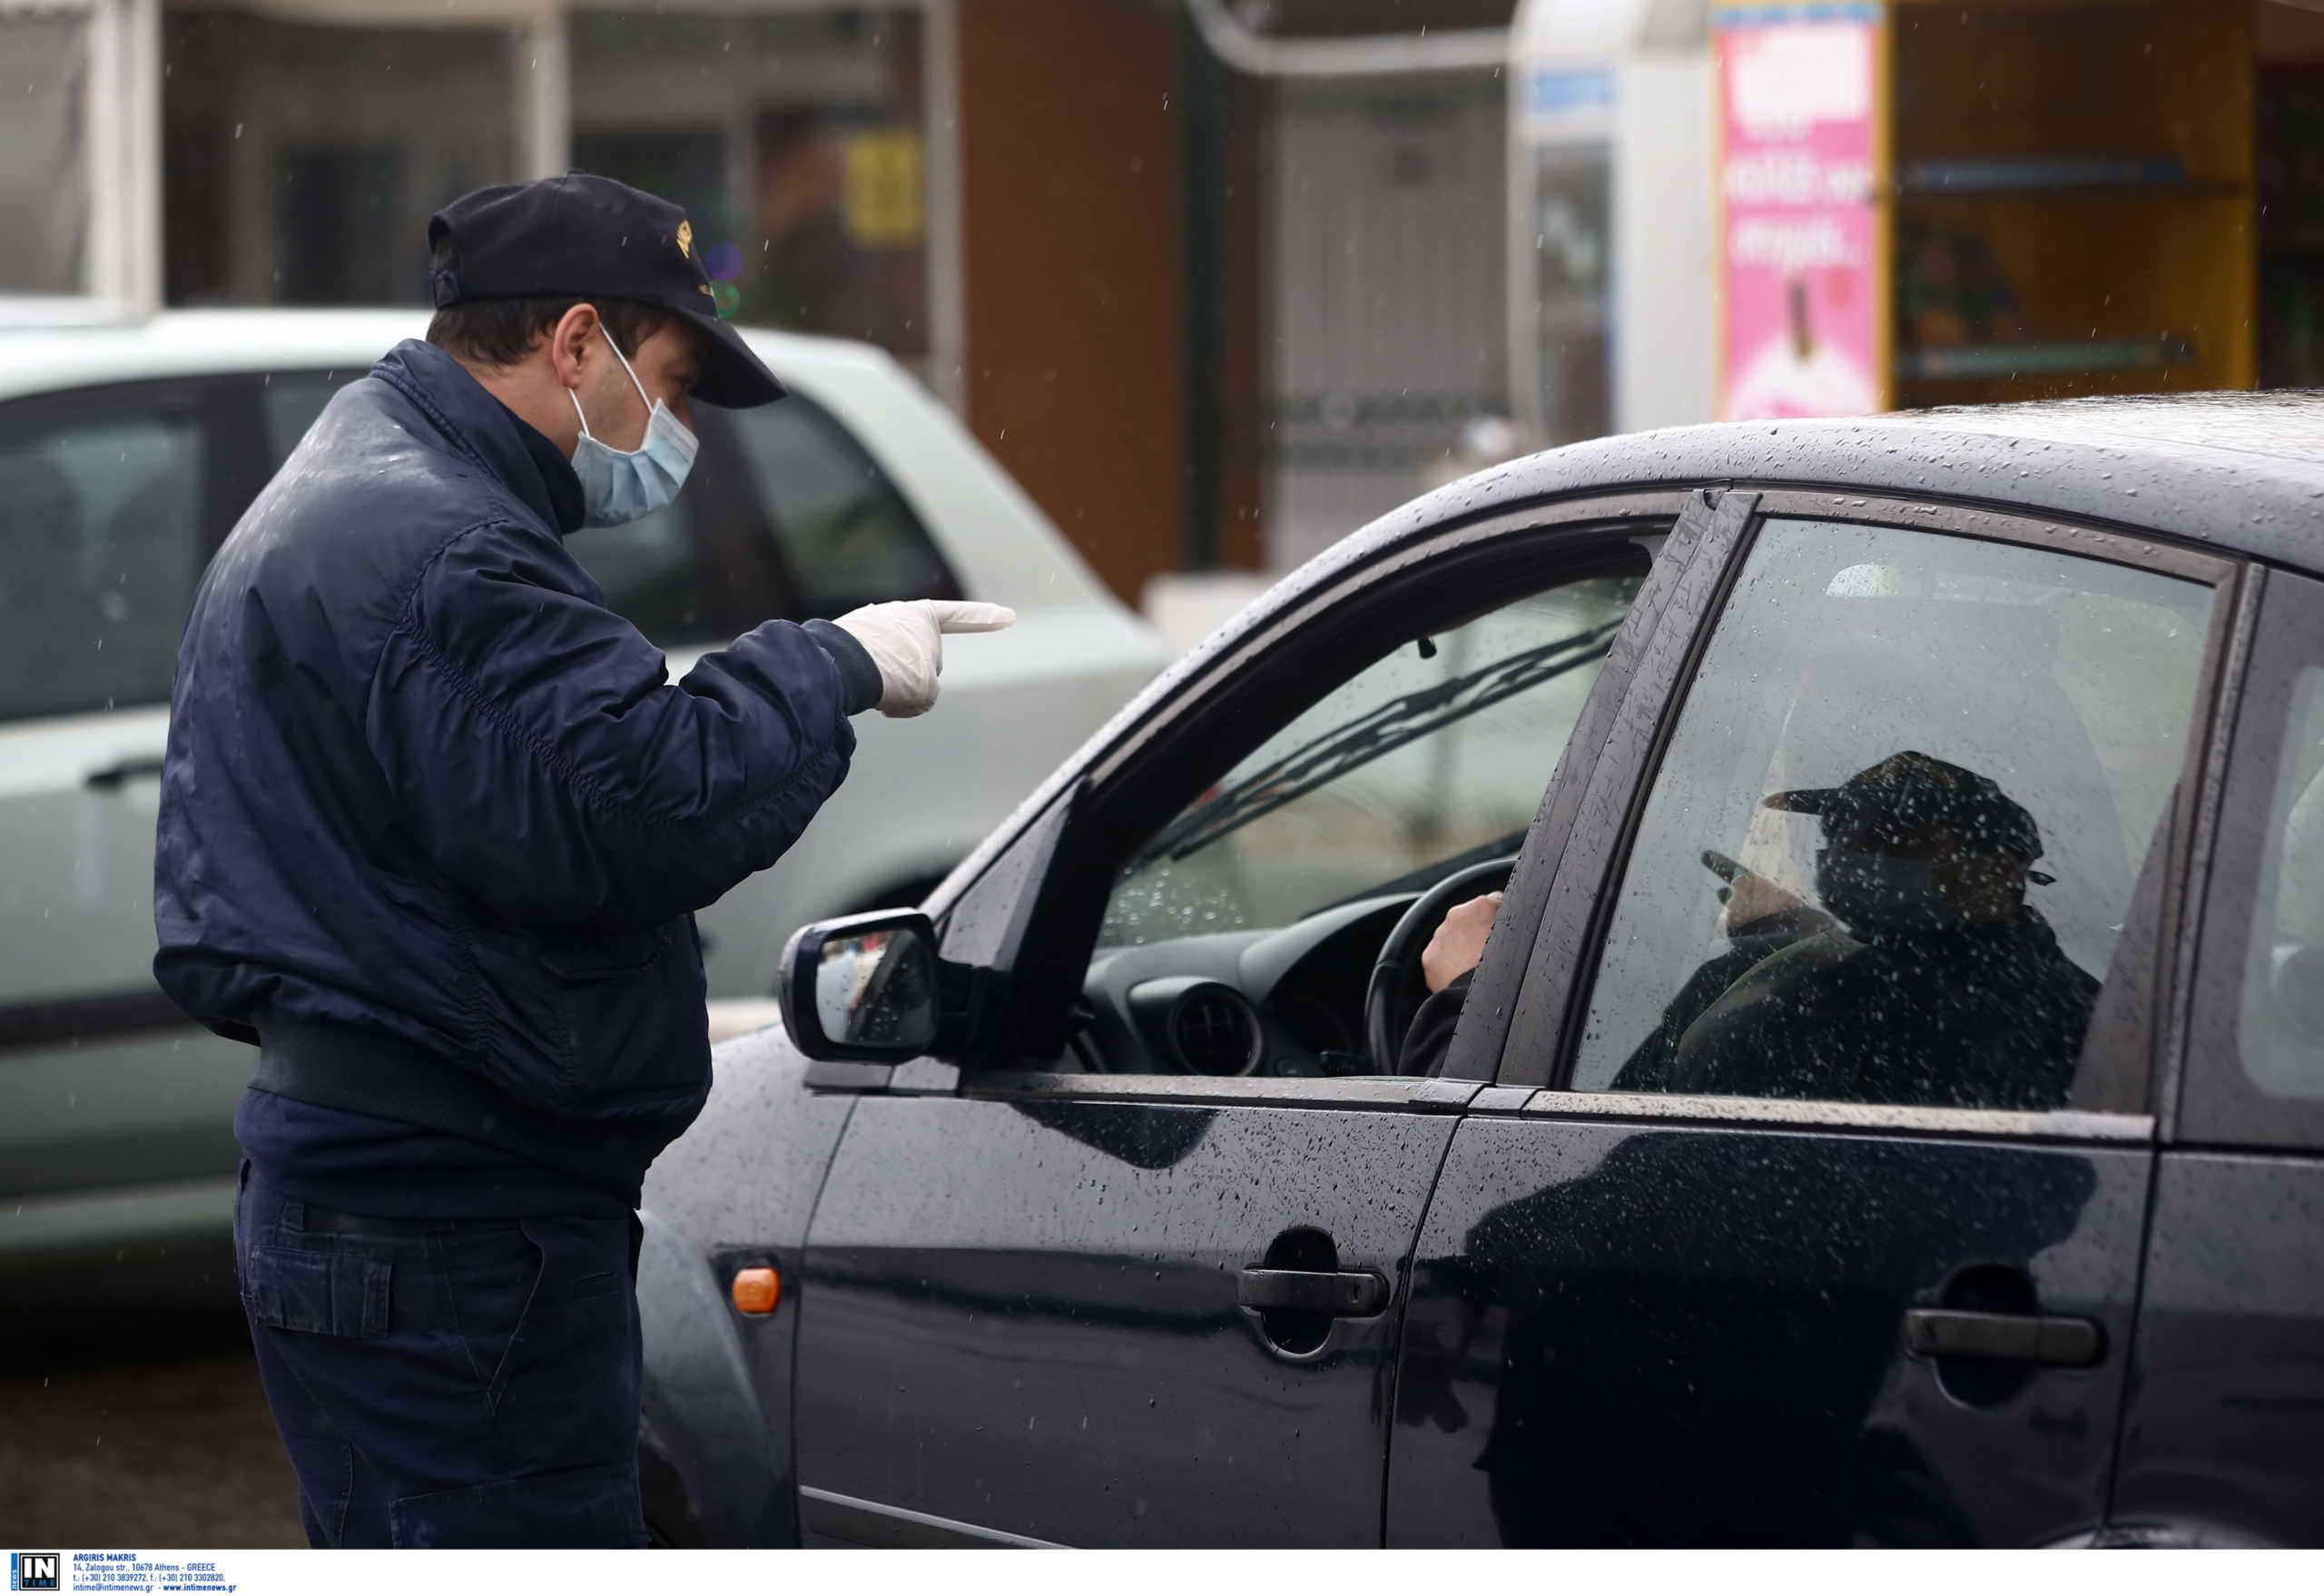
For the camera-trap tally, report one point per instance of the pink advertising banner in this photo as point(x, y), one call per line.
point(1798, 98)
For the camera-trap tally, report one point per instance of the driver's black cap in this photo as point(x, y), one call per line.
point(1891, 806)
point(585, 237)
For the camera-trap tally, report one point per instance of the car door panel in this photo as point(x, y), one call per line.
point(1650, 1333)
point(2225, 1437)
point(1044, 1343)
point(1029, 1311)
point(1640, 1316)
point(2223, 1443)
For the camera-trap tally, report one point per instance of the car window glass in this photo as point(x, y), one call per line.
point(651, 576)
point(1892, 843)
point(2279, 1031)
point(1442, 747)
point(100, 545)
point(844, 529)
point(290, 400)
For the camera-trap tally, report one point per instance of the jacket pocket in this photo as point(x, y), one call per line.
point(317, 1293)
point(615, 957)
point(629, 1015)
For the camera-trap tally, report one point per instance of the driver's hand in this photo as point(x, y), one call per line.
point(1460, 942)
point(1755, 897)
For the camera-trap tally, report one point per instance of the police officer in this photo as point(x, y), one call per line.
point(434, 823)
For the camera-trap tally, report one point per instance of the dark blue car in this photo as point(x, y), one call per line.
point(1889, 1109)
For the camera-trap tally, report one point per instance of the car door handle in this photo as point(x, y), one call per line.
point(124, 770)
point(2055, 1340)
point(1343, 1295)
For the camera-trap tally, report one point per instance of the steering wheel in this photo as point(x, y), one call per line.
point(1396, 989)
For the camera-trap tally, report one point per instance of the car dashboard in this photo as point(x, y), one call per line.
point(1285, 1001)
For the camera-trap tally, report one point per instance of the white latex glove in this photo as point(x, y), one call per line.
point(906, 641)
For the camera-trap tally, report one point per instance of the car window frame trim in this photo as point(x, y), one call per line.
point(1426, 1094)
point(1481, 1032)
point(2070, 1126)
point(1586, 923)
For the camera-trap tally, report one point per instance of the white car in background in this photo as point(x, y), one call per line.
point(127, 453)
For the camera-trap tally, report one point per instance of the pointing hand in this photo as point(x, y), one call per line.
point(906, 641)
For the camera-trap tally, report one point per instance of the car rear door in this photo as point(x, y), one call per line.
point(111, 499)
point(1827, 1231)
point(1070, 1296)
point(2223, 1443)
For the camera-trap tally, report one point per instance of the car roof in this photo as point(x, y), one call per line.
point(2243, 472)
point(184, 342)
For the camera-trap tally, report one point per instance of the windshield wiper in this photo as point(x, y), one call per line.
point(1369, 736)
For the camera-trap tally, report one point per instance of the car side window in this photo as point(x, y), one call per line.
point(102, 538)
point(2255, 1055)
point(844, 531)
point(1892, 841)
point(651, 576)
point(1438, 750)
point(2279, 1025)
point(289, 403)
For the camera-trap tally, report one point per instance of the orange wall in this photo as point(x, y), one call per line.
point(1071, 158)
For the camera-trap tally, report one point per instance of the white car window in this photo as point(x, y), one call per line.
point(845, 532)
point(101, 517)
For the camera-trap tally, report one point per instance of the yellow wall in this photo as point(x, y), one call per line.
point(2123, 78)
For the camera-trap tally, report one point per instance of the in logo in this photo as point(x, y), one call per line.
point(35, 1571)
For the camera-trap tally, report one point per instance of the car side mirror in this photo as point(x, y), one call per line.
point(867, 989)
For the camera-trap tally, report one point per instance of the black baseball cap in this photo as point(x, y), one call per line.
point(581, 236)
point(1888, 807)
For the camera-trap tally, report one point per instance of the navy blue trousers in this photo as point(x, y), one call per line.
point(448, 1381)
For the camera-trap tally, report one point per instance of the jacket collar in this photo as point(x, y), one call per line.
point(514, 453)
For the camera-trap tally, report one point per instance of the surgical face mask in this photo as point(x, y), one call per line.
point(1877, 893)
point(622, 485)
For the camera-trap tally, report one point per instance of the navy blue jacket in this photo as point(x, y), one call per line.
point(434, 820)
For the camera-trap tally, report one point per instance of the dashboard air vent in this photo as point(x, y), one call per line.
point(1214, 1032)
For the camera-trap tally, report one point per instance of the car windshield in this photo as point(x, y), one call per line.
point(1433, 755)
point(1381, 731)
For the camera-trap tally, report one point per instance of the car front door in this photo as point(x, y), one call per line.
point(1130, 1273)
point(1808, 1208)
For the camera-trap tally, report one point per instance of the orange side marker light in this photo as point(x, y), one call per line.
point(756, 1291)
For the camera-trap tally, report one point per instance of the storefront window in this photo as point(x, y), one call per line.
point(796, 142)
point(301, 162)
point(1571, 196)
point(43, 160)
point(1565, 214)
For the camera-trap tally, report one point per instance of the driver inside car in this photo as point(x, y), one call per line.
point(1924, 977)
